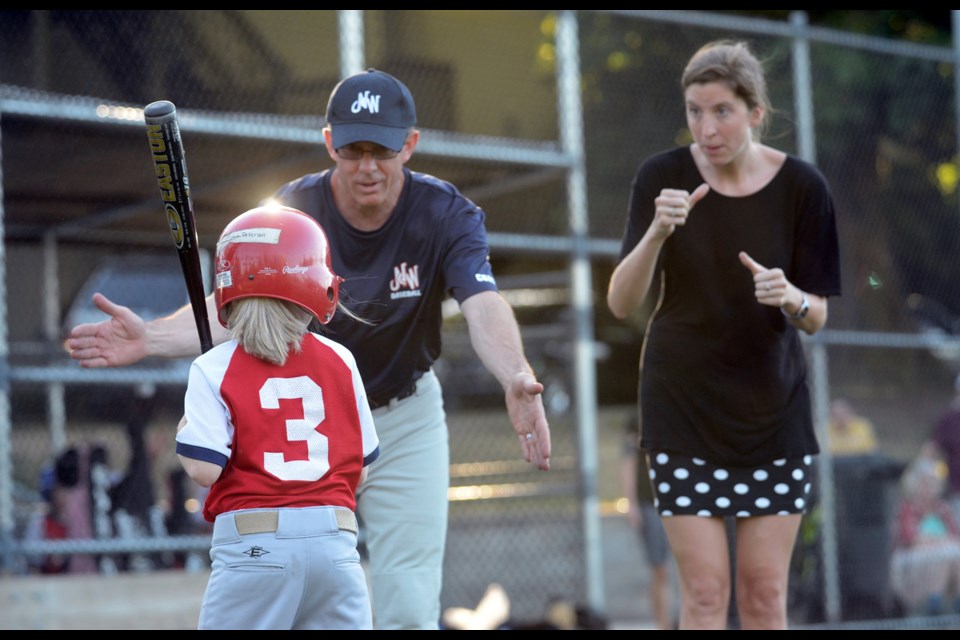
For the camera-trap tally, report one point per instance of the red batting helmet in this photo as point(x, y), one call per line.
point(276, 252)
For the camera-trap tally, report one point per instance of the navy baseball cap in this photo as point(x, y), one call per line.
point(371, 106)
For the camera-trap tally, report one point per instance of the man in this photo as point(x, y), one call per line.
point(403, 241)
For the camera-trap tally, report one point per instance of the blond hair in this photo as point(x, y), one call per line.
point(267, 328)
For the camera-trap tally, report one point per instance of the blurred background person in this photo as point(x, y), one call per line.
point(945, 444)
point(925, 564)
point(849, 433)
point(644, 519)
point(67, 513)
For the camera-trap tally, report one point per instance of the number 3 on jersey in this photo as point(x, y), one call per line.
point(311, 395)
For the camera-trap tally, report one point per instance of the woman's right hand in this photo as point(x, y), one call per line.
point(673, 206)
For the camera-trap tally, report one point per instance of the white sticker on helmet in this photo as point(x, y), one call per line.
point(262, 235)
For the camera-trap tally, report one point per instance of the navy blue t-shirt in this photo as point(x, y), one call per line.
point(434, 245)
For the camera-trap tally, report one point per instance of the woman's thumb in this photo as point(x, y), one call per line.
point(750, 263)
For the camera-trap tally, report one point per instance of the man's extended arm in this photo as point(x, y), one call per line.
point(495, 337)
point(124, 338)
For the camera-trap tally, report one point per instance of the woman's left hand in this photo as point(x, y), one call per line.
point(772, 286)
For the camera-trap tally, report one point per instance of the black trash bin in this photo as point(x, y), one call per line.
point(866, 494)
point(865, 489)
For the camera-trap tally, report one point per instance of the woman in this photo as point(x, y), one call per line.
point(724, 400)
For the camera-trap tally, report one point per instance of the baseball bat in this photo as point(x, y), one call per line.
point(166, 147)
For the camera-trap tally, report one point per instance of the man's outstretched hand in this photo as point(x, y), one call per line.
point(117, 341)
point(525, 407)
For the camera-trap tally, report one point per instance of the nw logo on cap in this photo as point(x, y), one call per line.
point(366, 101)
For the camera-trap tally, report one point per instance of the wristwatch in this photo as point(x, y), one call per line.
point(801, 312)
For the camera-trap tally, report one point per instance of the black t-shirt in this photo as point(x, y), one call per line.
point(724, 377)
point(434, 245)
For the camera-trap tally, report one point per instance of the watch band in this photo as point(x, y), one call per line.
point(801, 312)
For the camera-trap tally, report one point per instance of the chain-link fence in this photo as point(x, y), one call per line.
point(492, 90)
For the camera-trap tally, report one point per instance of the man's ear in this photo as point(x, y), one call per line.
point(409, 145)
point(328, 143)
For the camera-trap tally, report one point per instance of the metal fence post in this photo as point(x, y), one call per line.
point(571, 136)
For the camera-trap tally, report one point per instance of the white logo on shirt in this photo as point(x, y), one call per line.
point(366, 101)
point(405, 277)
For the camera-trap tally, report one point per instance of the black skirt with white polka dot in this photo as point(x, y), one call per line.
point(691, 486)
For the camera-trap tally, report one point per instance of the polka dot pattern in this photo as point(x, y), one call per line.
point(693, 486)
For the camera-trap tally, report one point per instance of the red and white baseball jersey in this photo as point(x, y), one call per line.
point(296, 435)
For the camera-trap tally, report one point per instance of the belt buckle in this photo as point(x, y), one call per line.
point(403, 395)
